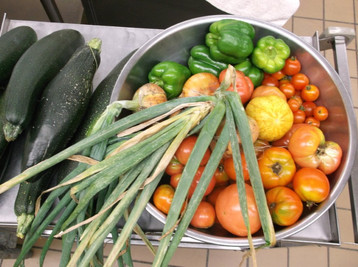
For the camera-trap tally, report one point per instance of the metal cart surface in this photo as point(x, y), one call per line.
point(118, 42)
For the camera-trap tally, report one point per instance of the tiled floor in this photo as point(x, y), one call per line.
point(312, 15)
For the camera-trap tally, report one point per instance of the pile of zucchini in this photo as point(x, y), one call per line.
point(116, 164)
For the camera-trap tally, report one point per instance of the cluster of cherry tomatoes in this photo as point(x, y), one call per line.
point(294, 169)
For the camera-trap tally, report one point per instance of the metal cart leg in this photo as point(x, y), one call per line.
point(51, 10)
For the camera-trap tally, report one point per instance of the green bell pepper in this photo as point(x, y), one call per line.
point(255, 74)
point(201, 61)
point(230, 40)
point(170, 76)
point(270, 54)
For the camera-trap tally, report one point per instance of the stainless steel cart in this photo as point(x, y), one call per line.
point(119, 42)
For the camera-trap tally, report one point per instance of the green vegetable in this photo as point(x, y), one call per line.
point(34, 70)
point(61, 109)
point(200, 61)
point(230, 40)
point(255, 74)
point(3, 142)
point(13, 45)
point(270, 54)
point(170, 76)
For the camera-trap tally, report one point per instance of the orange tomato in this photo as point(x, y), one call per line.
point(228, 211)
point(211, 198)
point(276, 167)
point(311, 185)
point(288, 89)
point(286, 138)
point(184, 150)
point(292, 66)
point(312, 121)
point(320, 113)
point(204, 216)
point(174, 167)
point(299, 116)
point(264, 90)
point(221, 177)
point(308, 107)
point(196, 180)
point(163, 197)
point(310, 93)
point(230, 168)
point(284, 204)
point(299, 81)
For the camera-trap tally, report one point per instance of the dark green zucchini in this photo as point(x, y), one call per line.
point(61, 110)
point(33, 71)
point(99, 101)
point(3, 142)
point(12, 45)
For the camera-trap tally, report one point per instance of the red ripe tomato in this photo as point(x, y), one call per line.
point(174, 167)
point(311, 185)
point(288, 89)
point(320, 113)
point(284, 204)
point(230, 168)
point(196, 180)
point(310, 93)
point(292, 66)
point(276, 167)
point(294, 103)
point(312, 121)
point(228, 211)
point(244, 85)
point(308, 107)
point(309, 149)
point(299, 116)
point(204, 216)
point(163, 197)
point(286, 138)
point(214, 194)
point(278, 75)
point(174, 180)
point(299, 81)
point(269, 80)
point(184, 150)
point(221, 176)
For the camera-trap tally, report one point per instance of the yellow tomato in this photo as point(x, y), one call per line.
point(272, 114)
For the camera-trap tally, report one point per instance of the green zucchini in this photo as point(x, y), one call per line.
point(61, 110)
point(3, 142)
point(33, 71)
point(13, 44)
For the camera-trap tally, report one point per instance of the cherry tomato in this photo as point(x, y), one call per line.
point(228, 211)
point(270, 81)
point(311, 185)
point(276, 167)
point(299, 116)
point(221, 176)
point(299, 81)
point(184, 150)
point(320, 113)
point(244, 85)
point(174, 167)
point(163, 197)
point(309, 149)
point(312, 121)
point(310, 93)
point(278, 75)
point(286, 79)
point(308, 107)
point(292, 66)
point(196, 180)
point(285, 205)
point(174, 180)
point(288, 89)
point(230, 169)
point(294, 104)
point(204, 216)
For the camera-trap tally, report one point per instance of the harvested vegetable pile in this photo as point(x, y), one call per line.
point(228, 123)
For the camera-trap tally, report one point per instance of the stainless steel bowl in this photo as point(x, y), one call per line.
point(175, 43)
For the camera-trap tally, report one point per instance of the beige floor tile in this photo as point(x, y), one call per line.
point(339, 10)
point(345, 225)
point(352, 63)
point(272, 257)
point(307, 27)
point(343, 257)
point(52, 259)
point(343, 200)
point(310, 9)
point(289, 25)
point(225, 258)
point(308, 256)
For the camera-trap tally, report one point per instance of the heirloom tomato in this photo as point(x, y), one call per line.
point(184, 150)
point(230, 169)
point(286, 138)
point(276, 167)
point(228, 211)
point(204, 216)
point(163, 197)
point(309, 149)
point(311, 185)
point(244, 85)
point(284, 204)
